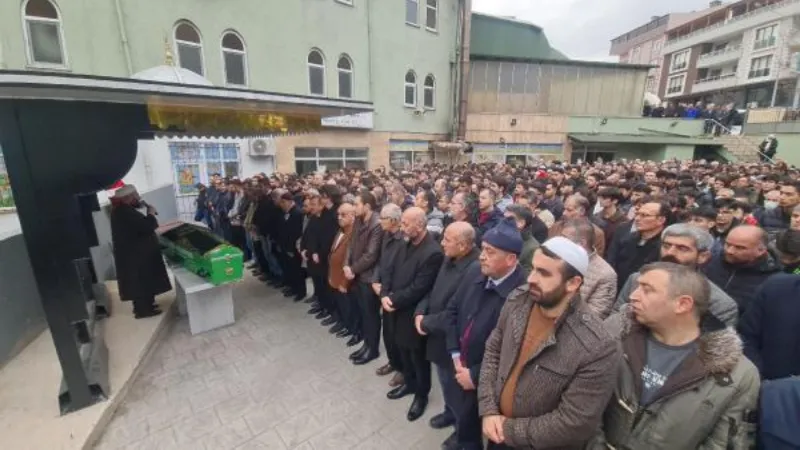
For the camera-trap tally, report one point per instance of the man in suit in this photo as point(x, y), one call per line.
point(290, 231)
point(431, 317)
point(411, 277)
point(361, 266)
point(472, 318)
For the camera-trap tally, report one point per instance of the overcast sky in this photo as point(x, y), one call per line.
point(583, 29)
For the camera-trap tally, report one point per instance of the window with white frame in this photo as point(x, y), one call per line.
point(409, 159)
point(345, 71)
point(196, 162)
point(309, 160)
point(429, 92)
point(189, 47)
point(760, 67)
point(765, 37)
point(412, 12)
point(680, 61)
point(235, 59)
point(431, 14)
point(675, 84)
point(410, 89)
point(316, 72)
point(44, 35)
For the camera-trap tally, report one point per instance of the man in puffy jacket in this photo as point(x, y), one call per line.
point(684, 381)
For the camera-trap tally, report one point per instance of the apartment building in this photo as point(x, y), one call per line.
point(739, 52)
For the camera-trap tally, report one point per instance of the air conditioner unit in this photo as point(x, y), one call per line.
point(262, 147)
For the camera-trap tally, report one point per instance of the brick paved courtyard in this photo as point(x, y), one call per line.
point(274, 380)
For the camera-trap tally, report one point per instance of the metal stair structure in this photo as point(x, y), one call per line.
point(742, 148)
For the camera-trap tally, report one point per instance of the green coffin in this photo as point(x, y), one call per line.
point(202, 252)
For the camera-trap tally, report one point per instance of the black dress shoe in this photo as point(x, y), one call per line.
point(315, 310)
point(399, 392)
point(417, 408)
point(299, 297)
point(354, 340)
point(322, 315)
point(336, 328)
point(366, 358)
point(313, 300)
point(344, 333)
point(328, 321)
point(145, 314)
point(359, 353)
point(451, 443)
point(442, 420)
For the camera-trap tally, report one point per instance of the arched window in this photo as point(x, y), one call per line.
point(316, 72)
point(429, 92)
point(345, 69)
point(431, 14)
point(235, 59)
point(410, 98)
point(43, 33)
point(189, 47)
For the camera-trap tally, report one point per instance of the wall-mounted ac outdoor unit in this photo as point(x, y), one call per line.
point(262, 147)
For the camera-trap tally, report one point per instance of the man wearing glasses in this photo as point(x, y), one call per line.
point(630, 251)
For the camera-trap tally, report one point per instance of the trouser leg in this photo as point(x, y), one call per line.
point(389, 343)
point(143, 305)
point(418, 368)
point(450, 389)
point(370, 316)
point(409, 374)
point(261, 259)
point(468, 423)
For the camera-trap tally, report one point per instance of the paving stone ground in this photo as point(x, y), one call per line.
point(274, 380)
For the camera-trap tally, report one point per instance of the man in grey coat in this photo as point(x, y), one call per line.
point(689, 246)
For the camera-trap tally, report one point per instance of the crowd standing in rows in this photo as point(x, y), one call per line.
point(617, 305)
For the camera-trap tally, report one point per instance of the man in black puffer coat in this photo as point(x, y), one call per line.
point(744, 265)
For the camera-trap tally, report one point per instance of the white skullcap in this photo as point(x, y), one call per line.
point(570, 252)
point(125, 191)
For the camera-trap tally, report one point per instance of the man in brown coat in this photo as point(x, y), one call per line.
point(337, 279)
point(549, 366)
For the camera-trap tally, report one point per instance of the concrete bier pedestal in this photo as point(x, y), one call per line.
point(208, 306)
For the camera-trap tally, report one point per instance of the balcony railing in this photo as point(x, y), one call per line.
point(678, 66)
point(715, 78)
point(758, 73)
point(753, 13)
point(765, 43)
point(722, 51)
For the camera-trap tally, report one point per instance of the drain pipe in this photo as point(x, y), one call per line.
point(466, 27)
point(455, 70)
point(123, 35)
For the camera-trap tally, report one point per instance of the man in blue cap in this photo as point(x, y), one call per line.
point(473, 316)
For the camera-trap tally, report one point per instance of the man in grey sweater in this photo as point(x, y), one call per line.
point(689, 246)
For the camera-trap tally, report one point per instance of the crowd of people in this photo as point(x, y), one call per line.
point(613, 305)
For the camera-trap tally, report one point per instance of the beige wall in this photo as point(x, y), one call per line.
point(559, 89)
point(529, 128)
point(376, 141)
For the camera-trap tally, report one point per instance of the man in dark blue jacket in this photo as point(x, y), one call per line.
point(473, 317)
point(432, 319)
point(770, 328)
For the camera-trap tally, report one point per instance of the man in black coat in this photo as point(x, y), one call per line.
point(141, 273)
point(291, 229)
point(472, 318)
point(629, 252)
point(458, 244)
point(331, 197)
point(310, 246)
point(411, 277)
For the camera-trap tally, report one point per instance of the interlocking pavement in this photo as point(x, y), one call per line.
point(275, 379)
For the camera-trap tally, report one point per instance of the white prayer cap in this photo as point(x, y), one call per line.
point(570, 252)
point(125, 191)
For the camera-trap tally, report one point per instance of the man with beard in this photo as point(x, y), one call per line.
point(472, 315)
point(549, 365)
point(141, 274)
point(688, 246)
point(411, 277)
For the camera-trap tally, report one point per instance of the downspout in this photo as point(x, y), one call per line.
point(123, 35)
point(455, 84)
point(464, 92)
point(369, 51)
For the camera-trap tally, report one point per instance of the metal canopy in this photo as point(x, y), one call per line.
point(71, 87)
point(611, 138)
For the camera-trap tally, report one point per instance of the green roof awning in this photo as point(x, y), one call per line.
point(611, 138)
